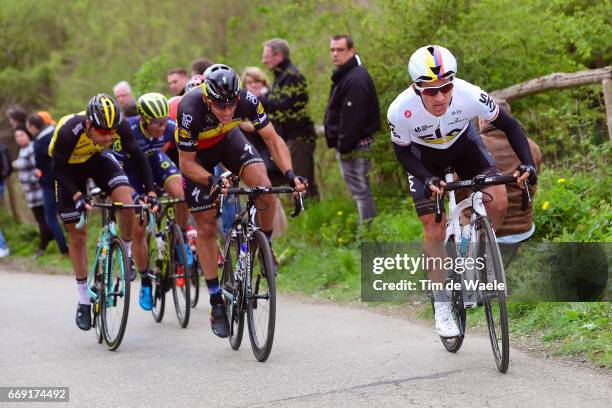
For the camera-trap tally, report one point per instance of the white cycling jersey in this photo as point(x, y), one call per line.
point(410, 122)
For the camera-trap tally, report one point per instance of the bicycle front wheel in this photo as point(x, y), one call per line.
point(115, 295)
point(232, 288)
point(494, 300)
point(179, 275)
point(158, 289)
point(261, 297)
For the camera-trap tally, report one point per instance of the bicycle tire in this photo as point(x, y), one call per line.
point(95, 305)
point(453, 344)
point(235, 309)
point(157, 284)
point(115, 299)
point(495, 299)
point(260, 273)
point(179, 275)
point(196, 272)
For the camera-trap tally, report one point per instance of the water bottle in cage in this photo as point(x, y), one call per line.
point(242, 258)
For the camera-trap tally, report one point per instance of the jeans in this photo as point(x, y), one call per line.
point(51, 218)
point(2, 241)
point(355, 169)
point(229, 207)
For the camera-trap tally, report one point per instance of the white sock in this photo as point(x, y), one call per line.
point(84, 298)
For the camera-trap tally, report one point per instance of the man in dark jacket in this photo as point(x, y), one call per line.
point(43, 133)
point(351, 119)
point(286, 104)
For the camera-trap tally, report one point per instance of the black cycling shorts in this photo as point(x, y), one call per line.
point(106, 172)
point(234, 152)
point(468, 156)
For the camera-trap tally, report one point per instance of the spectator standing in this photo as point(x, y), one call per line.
point(5, 171)
point(26, 165)
point(351, 119)
point(200, 65)
point(177, 79)
point(125, 98)
point(286, 104)
point(42, 134)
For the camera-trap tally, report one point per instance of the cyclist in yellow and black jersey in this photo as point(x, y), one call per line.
point(79, 150)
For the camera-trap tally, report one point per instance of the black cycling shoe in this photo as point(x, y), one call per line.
point(83, 317)
point(218, 321)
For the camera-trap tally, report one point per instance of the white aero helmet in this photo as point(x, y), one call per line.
point(431, 63)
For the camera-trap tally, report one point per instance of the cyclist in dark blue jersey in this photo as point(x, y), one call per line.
point(152, 130)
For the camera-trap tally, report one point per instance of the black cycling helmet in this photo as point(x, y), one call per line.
point(221, 83)
point(103, 112)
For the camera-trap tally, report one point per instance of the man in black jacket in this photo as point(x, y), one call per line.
point(286, 104)
point(351, 119)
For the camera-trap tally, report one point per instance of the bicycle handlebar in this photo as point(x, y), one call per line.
point(255, 191)
point(113, 206)
point(478, 183)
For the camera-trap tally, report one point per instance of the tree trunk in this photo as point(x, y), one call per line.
point(554, 81)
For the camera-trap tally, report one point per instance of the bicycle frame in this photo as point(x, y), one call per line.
point(475, 204)
point(109, 230)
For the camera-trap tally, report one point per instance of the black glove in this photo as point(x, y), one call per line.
point(290, 175)
point(81, 202)
point(435, 181)
point(152, 201)
point(533, 174)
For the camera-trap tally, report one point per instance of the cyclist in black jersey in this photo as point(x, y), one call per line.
point(79, 150)
point(207, 134)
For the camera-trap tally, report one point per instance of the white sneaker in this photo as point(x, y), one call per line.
point(4, 252)
point(445, 325)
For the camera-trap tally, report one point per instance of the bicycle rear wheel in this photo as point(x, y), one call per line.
point(494, 301)
point(233, 295)
point(261, 297)
point(178, 272)
point(157, 283)
point(115, 295)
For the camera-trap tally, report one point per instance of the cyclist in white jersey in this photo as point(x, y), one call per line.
point(431, 130)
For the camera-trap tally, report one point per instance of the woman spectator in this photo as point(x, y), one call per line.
point(26, 165)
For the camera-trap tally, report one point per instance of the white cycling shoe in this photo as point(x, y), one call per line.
point(445, 325)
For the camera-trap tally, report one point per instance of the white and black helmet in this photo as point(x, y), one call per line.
point(431, 63)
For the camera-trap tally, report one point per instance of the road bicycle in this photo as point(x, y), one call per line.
point(108, 281)
point(170, 263)
point(248, 278)
point(484, 283)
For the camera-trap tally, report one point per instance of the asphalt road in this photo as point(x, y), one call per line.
point(323, 356)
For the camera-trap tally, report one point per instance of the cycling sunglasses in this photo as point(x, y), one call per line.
point(158, 122)
point(223, 105)
point(105, 131)
point(433, 90)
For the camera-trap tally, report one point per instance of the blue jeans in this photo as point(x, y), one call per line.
point(51, 218)
point(2, 241)
point(229, 207)
point(355, 168)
